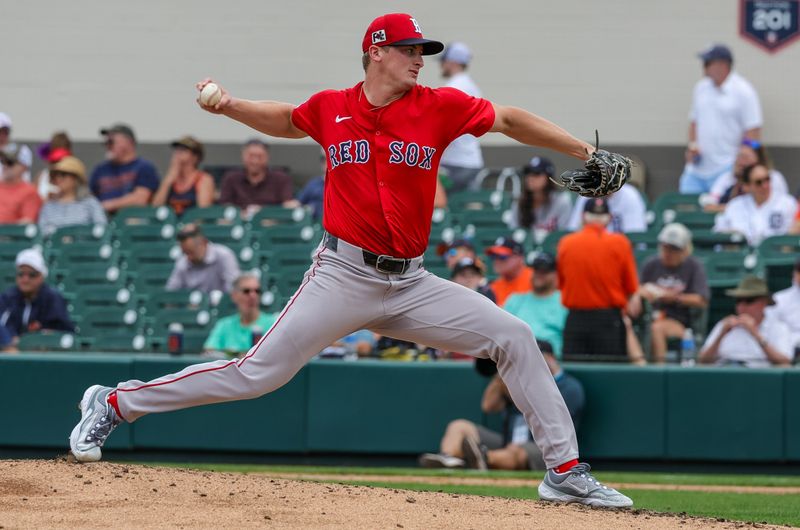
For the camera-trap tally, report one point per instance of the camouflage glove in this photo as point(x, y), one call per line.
point(604, 174)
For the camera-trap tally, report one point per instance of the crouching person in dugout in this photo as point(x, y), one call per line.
point(467, 445)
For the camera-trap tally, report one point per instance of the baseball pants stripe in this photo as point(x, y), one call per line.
point(340, 295)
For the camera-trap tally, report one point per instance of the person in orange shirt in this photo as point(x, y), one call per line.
point(19, 200)
point(597, 276)
point(508, 260)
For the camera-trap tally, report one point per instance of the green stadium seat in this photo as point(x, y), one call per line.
point(158, 301)
point(193, 341)
point(706, 241)
point(70, 235)
point(268, 216)
point(123, 342)
point(724, 271)
point(266, 238)
point(9, 251)
point(218, 215)
point(478, 200)
point(163, 252)
point(100, 297)
point(692, 220)
point(190, 319)
point(129, 235)
point(48, 341)
point(144, 215)
point(79, 276)
point(480, 219)
point(150, 277)
point(669, 204)
point(111, 321)
point(79, 252)
point(228, 235)
point(19, 233)
point(778, 255)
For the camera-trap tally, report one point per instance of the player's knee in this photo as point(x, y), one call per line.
point(513, 337)
point(460, 426)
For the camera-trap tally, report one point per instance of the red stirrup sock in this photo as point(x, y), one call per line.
point(112, 400)
point(563, 468)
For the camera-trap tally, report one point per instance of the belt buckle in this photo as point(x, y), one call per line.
point(383, 258)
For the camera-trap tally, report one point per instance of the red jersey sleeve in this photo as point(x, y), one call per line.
point(306, 116)
point(465, 114)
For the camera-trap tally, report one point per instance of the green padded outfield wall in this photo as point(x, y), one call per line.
point(371, 407)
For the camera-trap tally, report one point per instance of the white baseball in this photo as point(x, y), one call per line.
point(210, 95)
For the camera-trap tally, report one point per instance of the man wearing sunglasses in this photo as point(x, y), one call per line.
point(761, 211)
point(32, 305)
point(753, 337)
point(234, 334)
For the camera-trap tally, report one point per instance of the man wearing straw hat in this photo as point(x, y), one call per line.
point(752, 337)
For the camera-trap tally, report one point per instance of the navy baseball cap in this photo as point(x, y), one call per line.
point(398, 29)
point(468, 263)
point(504, 247)
point(443, 247)
point(539, 165)
point(596, 206)
point(544, 261)
point(119, 128)
point(716, 52)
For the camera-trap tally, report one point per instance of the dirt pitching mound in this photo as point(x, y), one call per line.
point(59, 494)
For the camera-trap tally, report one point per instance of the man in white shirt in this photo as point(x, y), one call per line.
point(627, 207)
point(725, 109)
point(787, 306)
point(759, 212)
point(462, 160)
point(752, 337)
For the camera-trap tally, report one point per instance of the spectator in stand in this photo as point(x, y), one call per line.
point(204, 266)
point(730, 185)
point(257, 185)
point(22, 152)
point(453, 252)
point(541, 307)
point(542, 208)
point(725, 109)
point(466, 444)
point(673, 283)
point(71, 203)
point(32, 305)
point(51, 152)
point(7, 341)
point(471, 273)
point(235, 334)
point(185, 185)
point(597, 277)
point(508, 260)
point(752, 337)
point(462, 160)
point(627, 207)
point(787, 307)
point(123, 179)
point(760, 212)
point(19, 201)
point(311, 195)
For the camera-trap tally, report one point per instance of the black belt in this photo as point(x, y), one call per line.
point(381, 262)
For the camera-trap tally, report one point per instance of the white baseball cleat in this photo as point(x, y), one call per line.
point(578, 485)
point(98, 419)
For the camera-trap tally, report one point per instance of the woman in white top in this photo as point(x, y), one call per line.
point(729, 184)
point(541, 208)
point(72, 204)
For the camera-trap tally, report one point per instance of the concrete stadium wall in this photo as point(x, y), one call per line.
point(626, 67)
point(380, 407)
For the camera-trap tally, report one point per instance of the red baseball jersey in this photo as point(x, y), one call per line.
point(383, 162)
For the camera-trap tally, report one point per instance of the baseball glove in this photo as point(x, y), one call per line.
point(604, 173)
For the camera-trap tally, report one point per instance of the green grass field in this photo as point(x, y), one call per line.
point(766, 507)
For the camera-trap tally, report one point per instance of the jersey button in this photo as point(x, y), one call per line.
point(377, 133)
point(380, 184)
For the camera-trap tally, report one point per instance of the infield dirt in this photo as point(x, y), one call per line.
point(60, 494)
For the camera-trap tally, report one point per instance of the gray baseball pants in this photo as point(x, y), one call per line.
point(339, 295)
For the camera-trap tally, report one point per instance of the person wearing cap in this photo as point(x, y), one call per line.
point(204, 266)
point(32, 305)
point(787, 307)
point(466, 444)
point(383, 138)
point(19, 201)
point(541, 306)
point(256, 184)
point(542, 207)
point(597, 277)
point(471, 273)
point(312, 196)
point(456, 250)
point(508, 262)
point(59, 146)
point(233, 335)
point(760, 212)
point(753, 337)
point(674, 284)
point(730, 184)
point(71, 204)
point(725, 110)
point(124, 179)
point(22, 152)
point(627, 208)
point(185, 185)
point(462, 160)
